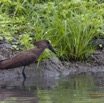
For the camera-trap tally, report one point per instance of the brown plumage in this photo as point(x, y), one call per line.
point(27, 57)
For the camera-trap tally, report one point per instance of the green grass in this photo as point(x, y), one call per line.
point(69, 25)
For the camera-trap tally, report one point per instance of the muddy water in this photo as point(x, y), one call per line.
point(81, 88)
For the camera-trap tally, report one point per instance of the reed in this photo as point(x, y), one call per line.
point(69, 24)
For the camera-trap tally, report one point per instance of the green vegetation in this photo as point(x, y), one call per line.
point(70, 25)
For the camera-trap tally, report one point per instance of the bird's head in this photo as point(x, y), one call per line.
point(44, 44)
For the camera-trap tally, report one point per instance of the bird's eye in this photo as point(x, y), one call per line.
point(47, 42)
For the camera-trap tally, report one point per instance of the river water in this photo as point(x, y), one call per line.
point(82, 88)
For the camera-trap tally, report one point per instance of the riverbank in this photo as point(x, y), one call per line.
point(51, 67)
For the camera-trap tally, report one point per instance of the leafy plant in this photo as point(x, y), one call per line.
point(69, 24)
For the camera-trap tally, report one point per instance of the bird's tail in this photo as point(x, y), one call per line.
point(0, 64)
point(3, 64)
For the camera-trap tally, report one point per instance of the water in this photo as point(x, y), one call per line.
point(71, 89)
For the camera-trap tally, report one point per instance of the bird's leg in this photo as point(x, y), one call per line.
point(23, 73)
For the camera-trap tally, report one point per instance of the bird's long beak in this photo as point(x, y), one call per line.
point(51, 48)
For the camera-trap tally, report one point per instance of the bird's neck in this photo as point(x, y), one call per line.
point(40, 50)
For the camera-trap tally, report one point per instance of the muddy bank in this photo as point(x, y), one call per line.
point(48, 69)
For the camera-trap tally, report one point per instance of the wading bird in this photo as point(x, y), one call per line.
point(27, 57)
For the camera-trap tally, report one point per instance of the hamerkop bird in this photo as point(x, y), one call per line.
point(27, 57)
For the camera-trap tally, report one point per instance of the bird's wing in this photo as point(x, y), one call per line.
point(21, 59)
